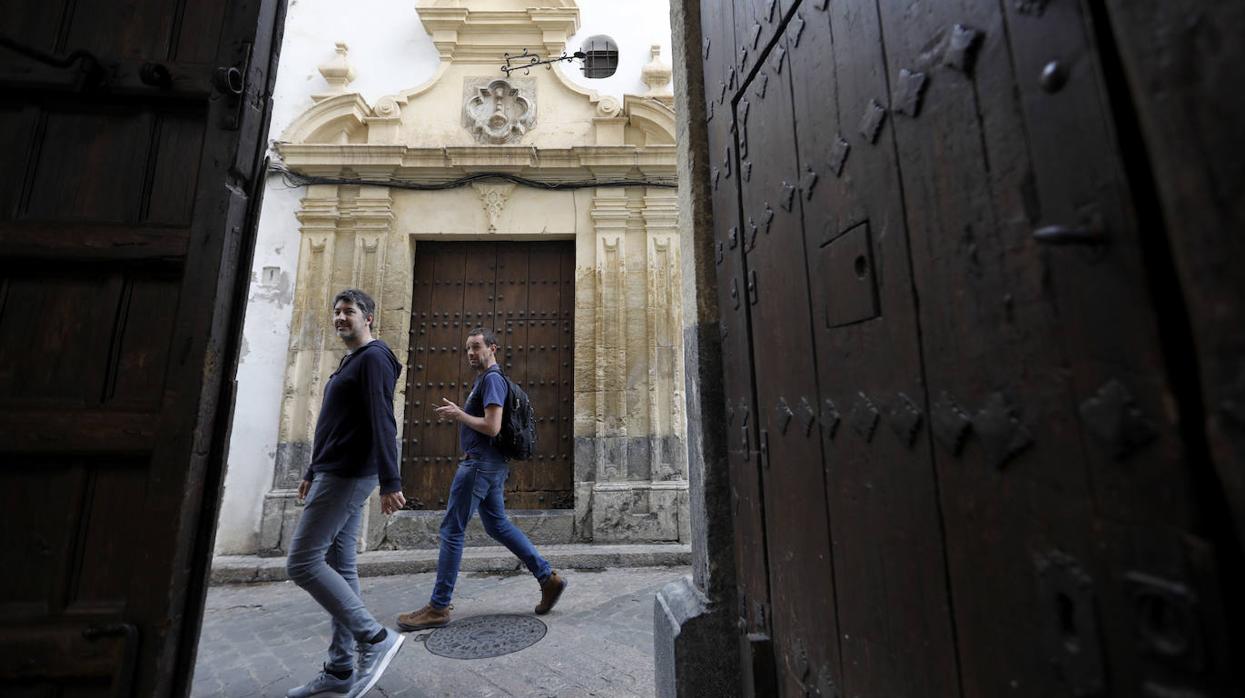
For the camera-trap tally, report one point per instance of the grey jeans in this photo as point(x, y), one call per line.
point(322, 560)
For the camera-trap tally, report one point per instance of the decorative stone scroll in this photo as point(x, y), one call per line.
point(498, 111)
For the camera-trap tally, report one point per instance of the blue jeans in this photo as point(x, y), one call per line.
point(322, 560)
point(479, 485)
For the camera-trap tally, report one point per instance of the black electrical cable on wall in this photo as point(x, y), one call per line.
point(298, 180)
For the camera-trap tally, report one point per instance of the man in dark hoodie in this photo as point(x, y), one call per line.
point(355, 447)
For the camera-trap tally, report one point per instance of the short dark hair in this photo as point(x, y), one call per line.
point(489, 337)
point(359, 298)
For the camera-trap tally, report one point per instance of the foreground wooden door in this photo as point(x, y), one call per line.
point(525, 291)
point(954, 382)
point(128, 181)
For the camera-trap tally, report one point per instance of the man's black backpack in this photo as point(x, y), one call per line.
point(517, 440)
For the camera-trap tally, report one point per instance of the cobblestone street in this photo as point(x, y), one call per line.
point(262, 639)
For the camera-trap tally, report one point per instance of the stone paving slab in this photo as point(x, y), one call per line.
point(235, 569)
point(261, 639)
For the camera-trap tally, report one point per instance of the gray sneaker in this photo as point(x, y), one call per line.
point(324, 685)
point(373, 660)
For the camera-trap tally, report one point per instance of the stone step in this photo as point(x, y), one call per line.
point(412, 530)
point(243, 569)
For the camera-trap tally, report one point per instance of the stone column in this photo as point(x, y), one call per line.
point(346, 240)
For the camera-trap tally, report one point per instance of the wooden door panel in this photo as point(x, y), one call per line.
point(417, 414)
point(118, 337)
point(513, 279)
point(1108, 299)
point(524, 291)
point(37, 25)
point(805, 633)
point(1103, 300)
point(143, 28)
point(17, 123)
point(75, 146)
point(1174, 76)
point(178, 139)
point(512, 305)
point(61, 320)
point(888, 549)
point(42, 549)
point(757, 24)
point(564, 414)
point(753, 609)
point(141, 345)
point(964, 192)
point(200, 45)
point(964, 154)
point(106, 553)
point(542, 378)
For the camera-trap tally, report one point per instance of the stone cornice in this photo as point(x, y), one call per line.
point(436, 164)
point(463, 35)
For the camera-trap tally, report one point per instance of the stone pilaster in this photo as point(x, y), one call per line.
point(667, 399)
point(631, 464)
point(374, 270)
point(346, 241)
point(304, 370)
point(600, 407)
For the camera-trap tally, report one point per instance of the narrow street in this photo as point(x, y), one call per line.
point(262, 639)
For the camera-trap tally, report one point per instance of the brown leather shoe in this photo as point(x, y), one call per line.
point(427, 617)
point(550, 591)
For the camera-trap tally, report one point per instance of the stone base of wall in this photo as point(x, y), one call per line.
point(605, 512)
point(634, 512)
point(414, 530)
point(688, 653)
point(276, 527)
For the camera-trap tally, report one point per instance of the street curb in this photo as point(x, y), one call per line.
point(252, 569)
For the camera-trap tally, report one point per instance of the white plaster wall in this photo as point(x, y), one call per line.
point(635, 25)
point(390, 52)
point(261, 371)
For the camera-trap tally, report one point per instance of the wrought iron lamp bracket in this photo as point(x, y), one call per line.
point(526, 61)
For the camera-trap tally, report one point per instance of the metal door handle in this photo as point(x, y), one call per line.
point(1070, 235)
point(229, 81)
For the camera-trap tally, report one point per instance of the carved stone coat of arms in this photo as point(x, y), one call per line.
point(499, 110)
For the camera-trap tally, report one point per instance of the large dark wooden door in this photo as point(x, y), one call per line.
point(525, 291)
point(128, 181)
point(956, 451)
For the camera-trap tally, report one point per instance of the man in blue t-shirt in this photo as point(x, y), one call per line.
point(479, 484)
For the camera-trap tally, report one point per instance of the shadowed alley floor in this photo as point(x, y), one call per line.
point(262, 639)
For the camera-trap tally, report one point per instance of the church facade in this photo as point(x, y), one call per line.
point(520, 200)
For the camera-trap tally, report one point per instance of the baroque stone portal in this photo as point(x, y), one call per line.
point(499, 111)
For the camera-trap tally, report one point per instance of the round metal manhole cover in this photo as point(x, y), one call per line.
point(485, 636)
